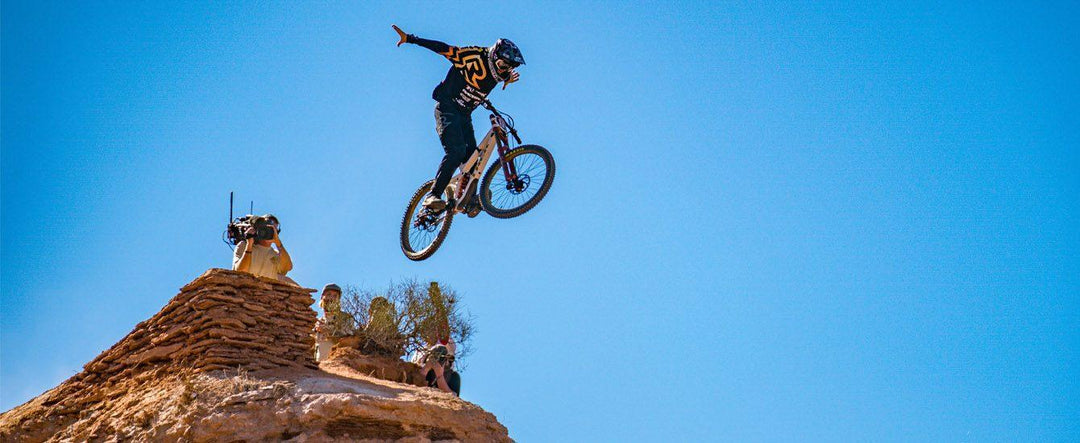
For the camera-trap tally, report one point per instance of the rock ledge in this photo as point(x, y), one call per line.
point(229, 358)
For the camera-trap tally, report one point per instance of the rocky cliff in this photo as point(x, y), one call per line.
point(229, 359)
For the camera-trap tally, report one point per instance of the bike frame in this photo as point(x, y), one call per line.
point(494, 141)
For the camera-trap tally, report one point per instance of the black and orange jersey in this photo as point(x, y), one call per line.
point(470, 79)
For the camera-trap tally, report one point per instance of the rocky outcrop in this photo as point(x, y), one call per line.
point(222, 320)
point(230, 358)
point(347, 355)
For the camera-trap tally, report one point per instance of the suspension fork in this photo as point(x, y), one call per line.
point(509, 170)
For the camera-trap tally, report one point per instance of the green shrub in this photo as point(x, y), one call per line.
point(409, 317)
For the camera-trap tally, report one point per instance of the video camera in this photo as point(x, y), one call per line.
point(259, 227)
point(253, 226)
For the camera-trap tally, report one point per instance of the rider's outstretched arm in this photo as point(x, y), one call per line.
point(436, 46)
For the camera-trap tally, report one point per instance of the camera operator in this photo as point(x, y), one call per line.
point(438, 367)
point(256, 256)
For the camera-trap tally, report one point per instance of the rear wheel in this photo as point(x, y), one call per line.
point(423, 231)
point(535, 171)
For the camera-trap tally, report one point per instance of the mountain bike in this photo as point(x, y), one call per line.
point(518, 179)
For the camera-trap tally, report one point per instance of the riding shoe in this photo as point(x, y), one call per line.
point(434, 203)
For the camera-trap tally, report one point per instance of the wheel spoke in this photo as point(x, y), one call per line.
point(527, 169)
point(532, 176)
point(421, 238)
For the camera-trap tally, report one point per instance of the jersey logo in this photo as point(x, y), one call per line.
point(470, 61)
point(474, 69)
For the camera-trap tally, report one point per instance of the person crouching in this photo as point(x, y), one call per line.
point(438, 361)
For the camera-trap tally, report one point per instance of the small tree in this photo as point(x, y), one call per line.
point(407, 314)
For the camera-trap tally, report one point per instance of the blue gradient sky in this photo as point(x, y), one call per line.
point(772, 221)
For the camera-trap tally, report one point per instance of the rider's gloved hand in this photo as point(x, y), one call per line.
point(514, 76)
point(403, 37)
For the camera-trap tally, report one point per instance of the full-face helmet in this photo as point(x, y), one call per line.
point(508, 52)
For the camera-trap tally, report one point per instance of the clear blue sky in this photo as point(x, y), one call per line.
point(772, 221)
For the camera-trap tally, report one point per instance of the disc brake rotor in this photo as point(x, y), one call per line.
point(426, 221)
point(518, 186)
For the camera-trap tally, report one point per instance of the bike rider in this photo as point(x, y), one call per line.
point(475, 72)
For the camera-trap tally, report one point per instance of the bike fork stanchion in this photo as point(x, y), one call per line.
point(509, 170)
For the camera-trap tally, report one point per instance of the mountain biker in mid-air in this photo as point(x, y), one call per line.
point(475, 72)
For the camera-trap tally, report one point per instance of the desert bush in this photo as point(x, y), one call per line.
point(409, 317)
point(238, 382)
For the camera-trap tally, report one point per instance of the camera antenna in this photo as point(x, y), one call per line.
point(230, 206)
point(251, 209)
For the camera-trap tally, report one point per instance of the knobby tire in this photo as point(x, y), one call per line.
point(406, 224)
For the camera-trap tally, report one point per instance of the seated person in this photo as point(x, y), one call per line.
point(381, 335)
point(334, 324)
point(257, 257)
point(438, 361)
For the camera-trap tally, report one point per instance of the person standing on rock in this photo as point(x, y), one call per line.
point(256, 256)
point(334, 324)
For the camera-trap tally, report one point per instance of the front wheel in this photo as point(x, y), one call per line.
point(423, 231)
point(504, 198)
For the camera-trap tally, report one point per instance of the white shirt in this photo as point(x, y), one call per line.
point(264, 260)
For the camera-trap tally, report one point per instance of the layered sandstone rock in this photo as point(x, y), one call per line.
point(221, 320)
point(386, 368)
point(230, 358)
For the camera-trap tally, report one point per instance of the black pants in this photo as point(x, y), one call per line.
point(455, 129)
point(452, 379)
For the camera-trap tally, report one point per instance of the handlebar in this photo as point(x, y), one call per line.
point(490, 107)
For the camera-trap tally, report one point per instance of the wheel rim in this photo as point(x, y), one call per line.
point(532, 171)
